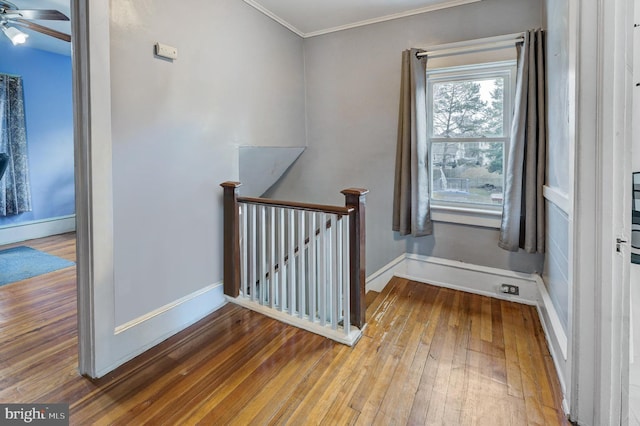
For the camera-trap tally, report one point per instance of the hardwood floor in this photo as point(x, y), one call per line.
point(428, 356)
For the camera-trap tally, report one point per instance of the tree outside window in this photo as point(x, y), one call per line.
point(468, 128)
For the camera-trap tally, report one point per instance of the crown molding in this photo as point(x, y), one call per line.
point(275, 17)
point(430, 8)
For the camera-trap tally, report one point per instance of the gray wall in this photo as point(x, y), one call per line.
point(556, 267)
point(559, 114)
point(352, 89)
point(556, 271)
point(238, 80)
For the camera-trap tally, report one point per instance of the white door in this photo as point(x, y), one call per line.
point(616, 124)
point(634, 272)
point(600, 338)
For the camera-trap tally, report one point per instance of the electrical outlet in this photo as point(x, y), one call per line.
point(511, 289)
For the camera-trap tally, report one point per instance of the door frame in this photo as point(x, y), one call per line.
point(599, 351)
point(93, 179)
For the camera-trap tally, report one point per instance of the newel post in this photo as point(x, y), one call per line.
point(231, 239)
point(355, 197)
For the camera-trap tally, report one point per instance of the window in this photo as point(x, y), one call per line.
point(469, 120)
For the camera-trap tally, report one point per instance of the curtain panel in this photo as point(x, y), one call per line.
point(523, 209)
point(411, 212)
point(15, 191)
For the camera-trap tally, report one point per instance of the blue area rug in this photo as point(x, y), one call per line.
point(20, 263)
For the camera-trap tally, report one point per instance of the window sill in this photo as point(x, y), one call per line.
point(467, 216)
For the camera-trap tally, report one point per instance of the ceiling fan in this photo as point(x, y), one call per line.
point(11, 17)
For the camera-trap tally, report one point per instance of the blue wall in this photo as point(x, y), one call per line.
point(49, 116)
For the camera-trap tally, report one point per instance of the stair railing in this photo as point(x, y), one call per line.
point(300, 263)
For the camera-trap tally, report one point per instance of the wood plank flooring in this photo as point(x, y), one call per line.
point(428, 356)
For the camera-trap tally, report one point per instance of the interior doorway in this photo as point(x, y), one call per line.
point(37, 92)
point(58, 74)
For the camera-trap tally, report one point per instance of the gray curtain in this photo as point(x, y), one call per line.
point(523, 210)
point(15, 192)
point(411, 215)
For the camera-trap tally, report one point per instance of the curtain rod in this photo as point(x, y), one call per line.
point(472, 46)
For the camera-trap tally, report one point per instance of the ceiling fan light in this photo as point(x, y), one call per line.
point(15, 35)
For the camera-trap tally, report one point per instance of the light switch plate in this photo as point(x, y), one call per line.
point(166, 51)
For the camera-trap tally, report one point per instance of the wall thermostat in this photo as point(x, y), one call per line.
point(165, 51)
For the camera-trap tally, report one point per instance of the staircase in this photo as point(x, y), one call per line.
point(300, 263)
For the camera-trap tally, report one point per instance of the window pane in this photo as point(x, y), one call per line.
point(467, 172)
point(468, 108)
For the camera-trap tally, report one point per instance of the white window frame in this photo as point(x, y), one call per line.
point(485, 215)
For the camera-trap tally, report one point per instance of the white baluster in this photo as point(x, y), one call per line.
point(330, 262)
point(333, 273)
point(262, 274)
point(322, 270)
point(312, 267)
point(252, 251)
point(244, 250)
point(346, 271)
point(339, 272)
point(291, 261)
point(301, 263)
point(282, 267)
point(272, 255)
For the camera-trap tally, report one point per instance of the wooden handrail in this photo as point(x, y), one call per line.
point(299, 206)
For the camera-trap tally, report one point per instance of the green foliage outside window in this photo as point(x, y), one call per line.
point(467, 116)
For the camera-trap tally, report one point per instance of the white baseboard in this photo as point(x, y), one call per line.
point(379, 279)
point(555, 335)
point(37, 229)
point(470, 278)
point(456, 275)
point(197, 301)
point(485, 281)
point(168, 320)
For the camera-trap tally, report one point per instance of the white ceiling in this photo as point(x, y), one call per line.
point(309, 18)
point(306, 18)
point(40, 41)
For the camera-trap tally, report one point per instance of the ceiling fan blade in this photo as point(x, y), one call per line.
point(43, 14)
point(41, 29)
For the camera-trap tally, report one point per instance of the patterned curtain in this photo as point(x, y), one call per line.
point(15, 192)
